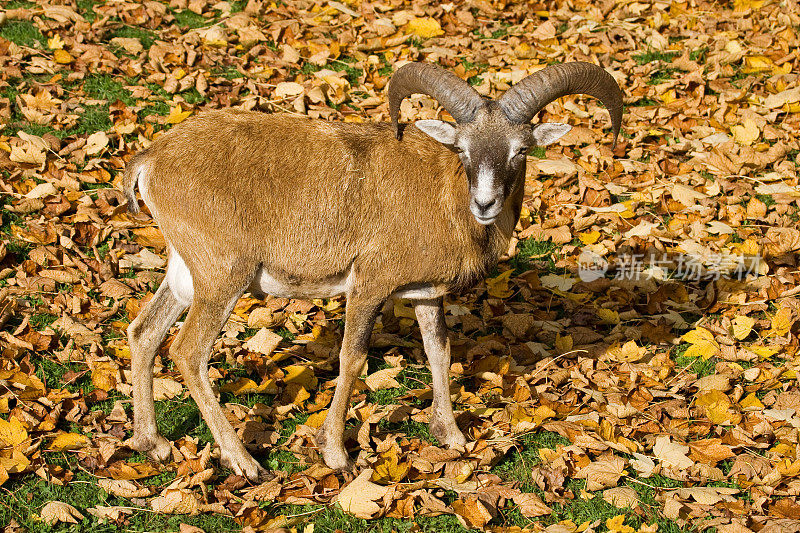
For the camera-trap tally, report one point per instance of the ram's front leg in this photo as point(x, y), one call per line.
point(430, 315)
point(360, 316)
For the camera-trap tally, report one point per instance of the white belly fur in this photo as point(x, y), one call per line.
point(180, 282)
point(265, 283)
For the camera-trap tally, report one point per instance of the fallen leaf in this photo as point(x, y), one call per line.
point(621, 497)
point(425, 27)
point(54, 512)
point(671, 453)
point(68, 441)
point(359, 497)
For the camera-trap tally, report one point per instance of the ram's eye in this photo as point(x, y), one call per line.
point(458, 149)
point(523, 151)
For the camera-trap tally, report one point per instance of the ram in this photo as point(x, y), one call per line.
point(294, 207)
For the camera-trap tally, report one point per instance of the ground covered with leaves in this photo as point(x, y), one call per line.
point(632, 366)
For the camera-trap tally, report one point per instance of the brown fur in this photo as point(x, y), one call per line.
point(308, 201)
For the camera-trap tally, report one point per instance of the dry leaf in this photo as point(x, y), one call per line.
point(54, 512)
point(359, 497)
point(621, 497)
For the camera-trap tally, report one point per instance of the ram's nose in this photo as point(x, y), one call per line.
point(482, 209)
point(485, 211)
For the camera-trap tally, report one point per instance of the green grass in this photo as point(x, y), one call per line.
point(655, 55)
point(768, 200)
point(94, 118)
point(179, 417)
point(86, 9)
point(22, 33)
point(186, 18)
point(17, 4)
point(539, 152)
point(661, 75)
point(530, 250)
point(696, 365)
point(517, 464)
point(699, 54)
point(409, 428)
point(331, 519)
point(146, 37)
point(105, 87)
point(24, 499)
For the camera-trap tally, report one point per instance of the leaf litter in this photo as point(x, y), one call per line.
point(660, 393)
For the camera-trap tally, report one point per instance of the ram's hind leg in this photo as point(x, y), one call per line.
point(430, 315)
point(145, 335)
point(191, 352)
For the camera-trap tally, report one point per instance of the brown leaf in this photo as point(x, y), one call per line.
point(54, 512)
point(621, 497)
point(359, 497)
point(602, 473)
point(472, 513)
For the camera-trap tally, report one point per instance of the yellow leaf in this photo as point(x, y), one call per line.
point(751, 403)
point(628, 352)
point(62, 57)
point(617, 525)
point(781, 322)
point(542, 413)
point(717, 406)
point(247, 385)
point(753, 64)
point(525, 215)
point(589, 237)
point(316, 419)
point(404, 309)
point(744, 5)
point(763, 352)
point(104, 375)
point(177, 115)
point(383, 379)
point(498, 286)
point(69, 441)
point(424, 27)
point(12, 432)
point(668, 97)
point(608, 316)
point(786, 68)
point(702, 343)
point(55, 42)
point(390, 469)
point(302, 375)
point(628, 213)
point(742, 326)
point(746, 133)
point(749, 247)
point(563, 344)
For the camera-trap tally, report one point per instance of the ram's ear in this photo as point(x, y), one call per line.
point(549, 132)
point(444, 132)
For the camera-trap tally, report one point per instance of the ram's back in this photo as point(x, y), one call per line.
point(272, 188)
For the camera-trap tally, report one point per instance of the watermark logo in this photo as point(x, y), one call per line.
point(592, 266)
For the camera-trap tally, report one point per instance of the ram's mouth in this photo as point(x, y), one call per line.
point(485, 220)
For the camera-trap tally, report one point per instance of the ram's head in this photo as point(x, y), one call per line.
point(492, 137)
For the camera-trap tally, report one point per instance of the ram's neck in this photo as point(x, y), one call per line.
point(477, 247)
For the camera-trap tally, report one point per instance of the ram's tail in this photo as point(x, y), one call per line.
point(129, 179)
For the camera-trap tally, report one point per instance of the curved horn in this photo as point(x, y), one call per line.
point(455, 95)
point(525, 99)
